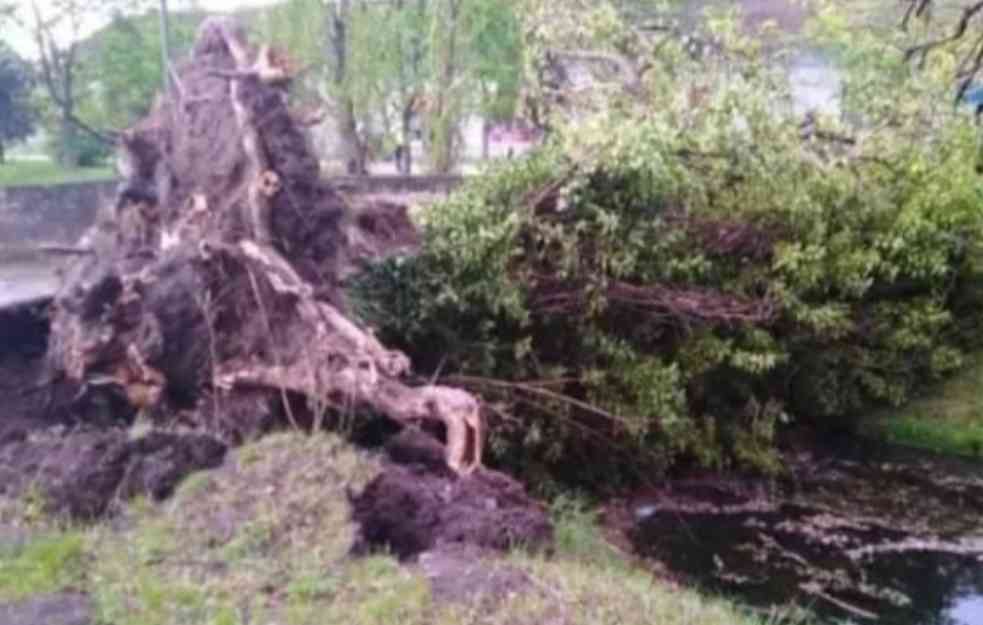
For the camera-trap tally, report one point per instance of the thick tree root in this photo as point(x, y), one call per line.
point(345, 366)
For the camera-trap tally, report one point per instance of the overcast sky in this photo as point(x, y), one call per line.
point(22, 43)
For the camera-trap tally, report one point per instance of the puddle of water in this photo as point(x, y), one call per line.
point(877, 539)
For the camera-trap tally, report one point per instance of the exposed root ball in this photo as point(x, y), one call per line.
point(219, 294)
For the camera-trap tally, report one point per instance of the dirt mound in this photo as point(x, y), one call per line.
point(416, 504)
point(80, 474)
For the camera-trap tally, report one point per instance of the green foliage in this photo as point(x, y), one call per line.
point(122, 66)
point(77, 147)
point(578, 535)
point(948, 418)
point(467, 59)
point(495, 41)
point(667, 282)
point(17, 118)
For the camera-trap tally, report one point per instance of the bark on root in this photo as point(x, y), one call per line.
point(219, 284)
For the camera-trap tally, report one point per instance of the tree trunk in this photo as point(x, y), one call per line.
point(486, 126)
point(406, 167)
point(68, 153)
point(444, 116)
point(3, 153)
point(404, 160)
point(354, 149)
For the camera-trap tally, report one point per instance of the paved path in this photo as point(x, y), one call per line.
point(25, 281)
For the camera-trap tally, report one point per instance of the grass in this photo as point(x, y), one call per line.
point(948, 420)
point(44, 172)
point(46, 564)
point(266, 539)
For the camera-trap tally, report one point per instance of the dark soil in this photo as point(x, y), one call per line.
point(23, 341)
point(80, 474)
point(416, 504)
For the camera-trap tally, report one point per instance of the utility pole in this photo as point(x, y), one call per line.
point(165, 55)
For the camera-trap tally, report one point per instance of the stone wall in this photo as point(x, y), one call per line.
point(51, 214)
point(397, 185)
point(60, 214)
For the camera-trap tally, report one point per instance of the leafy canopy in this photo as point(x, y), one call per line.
point(17, 118)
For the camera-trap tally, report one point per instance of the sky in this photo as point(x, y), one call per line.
point(22, 43)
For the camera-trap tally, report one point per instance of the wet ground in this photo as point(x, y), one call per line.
point(866, 534)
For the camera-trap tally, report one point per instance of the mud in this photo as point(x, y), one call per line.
point(83, 474)
point(416, 504)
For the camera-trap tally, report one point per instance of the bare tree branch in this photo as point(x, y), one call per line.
point(972, 63)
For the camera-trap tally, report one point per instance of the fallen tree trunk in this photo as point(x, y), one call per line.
point(216, 300)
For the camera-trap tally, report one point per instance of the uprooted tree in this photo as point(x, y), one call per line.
point(214, 293)
point(688, 264)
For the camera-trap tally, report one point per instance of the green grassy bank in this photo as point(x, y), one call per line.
point(17, 172)
point(268, 536)
point(947, 419)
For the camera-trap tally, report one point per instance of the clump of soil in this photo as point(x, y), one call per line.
point(416, 504)
point(80, 475)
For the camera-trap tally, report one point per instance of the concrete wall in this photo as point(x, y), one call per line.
point(51, 214)
point(395, 185)
point(60, 214)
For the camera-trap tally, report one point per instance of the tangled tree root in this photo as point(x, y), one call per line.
point(217, 298)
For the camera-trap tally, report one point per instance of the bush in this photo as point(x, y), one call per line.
point(673, 284)
point(89, 151)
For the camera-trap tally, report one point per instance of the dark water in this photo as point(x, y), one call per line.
point(879, 536)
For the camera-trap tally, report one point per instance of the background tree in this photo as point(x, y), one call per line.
point(121, 66)
point(17, 117)
point(57, 33)
point(382, 65)
point(495, 39)
point(407, 25)
point(323, 36)
point(449, 17)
